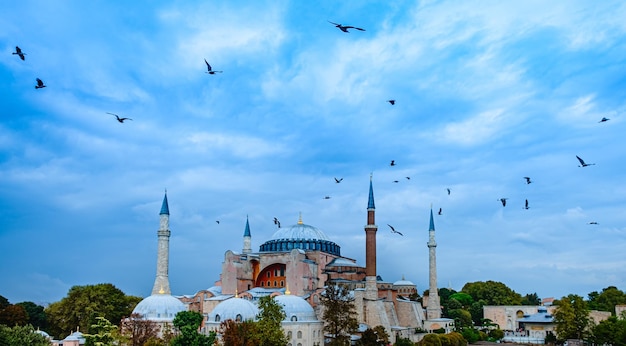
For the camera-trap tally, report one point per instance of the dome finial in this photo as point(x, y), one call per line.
point(236, 293)
point(287, 290)
point(300, 219)
point(161, 291)
point(402, 277)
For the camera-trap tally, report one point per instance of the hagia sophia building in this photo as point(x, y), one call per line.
point(294, 266)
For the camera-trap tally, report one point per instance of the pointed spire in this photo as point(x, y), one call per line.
point(165, 210)
point(300, 219)
point(370, 201)
point(246, 233)
point(432, 222)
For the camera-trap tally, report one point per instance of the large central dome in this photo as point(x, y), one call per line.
point(300, 236)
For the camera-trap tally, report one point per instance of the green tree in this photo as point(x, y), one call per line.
point(83, 304)
point(269, 319)
point(188, 323)
point(104, 333)
point(4, 302)
point(21, 335)
point(609, 332)
point(462, 318)
point(403, 342)
point(531, 299)
point(430, 340)
point(463, 298)
point(13, 315)
point(36, 314)
point(339, 314)
point(571, 318)
point(374, 337)
point(606, 300)
point(492, 293)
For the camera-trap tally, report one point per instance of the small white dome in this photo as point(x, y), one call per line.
point(403, 283)
point(236, 309)
point(296, 308)
point(159, 307)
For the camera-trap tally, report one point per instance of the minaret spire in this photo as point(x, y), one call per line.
point(371, 288)
point(247, 238)
point(433, 310)
point(162, 283)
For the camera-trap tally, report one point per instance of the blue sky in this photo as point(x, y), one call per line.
point(485, 94)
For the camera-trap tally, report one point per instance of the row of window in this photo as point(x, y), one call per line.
point(282, 283)
point(287, 245)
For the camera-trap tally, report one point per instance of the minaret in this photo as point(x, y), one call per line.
point(247, 238)
point(433, 310)
point(371, 289)
point(162, 282)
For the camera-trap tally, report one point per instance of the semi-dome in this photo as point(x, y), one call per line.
point(300, 236)
point(237, 309)
point(296, 309)
point(159, 307)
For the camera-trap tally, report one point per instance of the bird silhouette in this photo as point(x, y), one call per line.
point(527, 180)
point(210, 70)
point(326, 197)
point(338, 180)
point(394, 230)
point(601, 120)
point(19, 52)
point(393, 163)
point(39, 84)
point(345, 28)
point(439, 211)
point(526, 205)
point(593, 223)
point(121, 120)
point(582, 163)
point(393, 102)
point(217, 221)
point(448, 189)
point(503, 201)
point(276, 222)
point(408, 178)
point(395, 181)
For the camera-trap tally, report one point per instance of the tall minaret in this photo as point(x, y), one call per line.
point(371, 289)
point(247, 238)
point(433, 310)
point(162, 282)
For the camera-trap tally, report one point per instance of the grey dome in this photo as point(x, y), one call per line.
point(159, 307)
point(300, 236)
point(236, 309)
point(296, 308)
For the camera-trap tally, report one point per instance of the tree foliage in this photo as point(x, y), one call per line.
point(462, 318)
point(571, 318)
point(607, 299)
point(609, 332)
point(13, 315)
point(339, 314)
point(374, 337)
point(4, 302)
point(188, 323)
point(269, 319)
point(238, 333)
point(36, 314)
point(21, 335)
point(138, 330)
point(492, 293)
point(83, 304)
point(104, 333)
point(531, 299)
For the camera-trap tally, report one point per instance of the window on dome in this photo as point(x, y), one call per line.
point(294, 318)
point(238, 318)
point(217, 318)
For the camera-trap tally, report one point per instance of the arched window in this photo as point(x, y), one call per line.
point(217, 318)
point(299, 344)
point(282, 283)
point(294, 318)
point(238, 318)
point(299, 334)
point(289, 335)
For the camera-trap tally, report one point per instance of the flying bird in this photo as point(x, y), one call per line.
point(408, 178)
point(19, 52)
point(218, 221)
point(395, 181)
point(393, 102)
point(394, 230)
point(210, 70)
point(601, 120)
point(593, 223)
point(582, 163)
point(338, 180)
point(503, 201)
point(439, 211)
point(345, 28)
point(526, 205)
point(326, 197)
point(39, 84)
point(527, 180)
point(448, 189)
point(276, 222)
point(121, 120)
point(393, 163)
